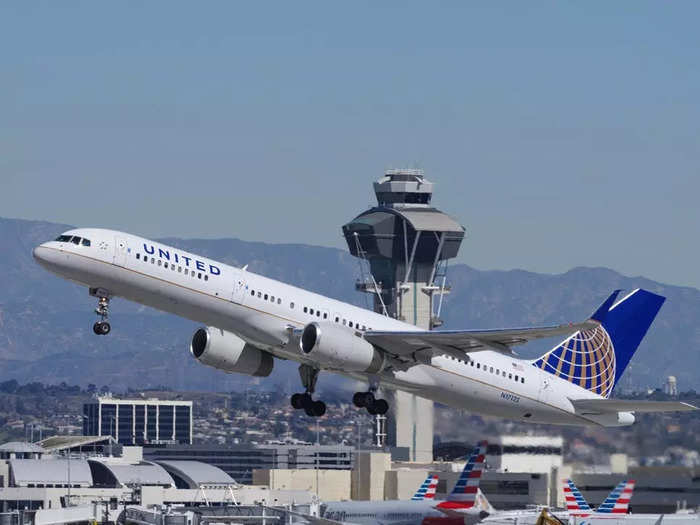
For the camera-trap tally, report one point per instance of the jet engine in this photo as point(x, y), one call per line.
point(334, 347)
point(223, 350)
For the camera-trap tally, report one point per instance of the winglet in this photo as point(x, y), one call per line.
point(602, 311)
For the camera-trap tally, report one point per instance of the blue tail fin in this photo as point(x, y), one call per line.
point(595, 359)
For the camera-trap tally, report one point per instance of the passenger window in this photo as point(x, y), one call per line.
point(179, 269)
point(363, 327)
point(85, 242)
point(75, 240)
point(252, 292)
point(478, 365)
point(522, 379)
point(259, 295)
point(318, 314)
point(306, 309)
point(138, 255)
point(272, 298)
point(279, 301)
point(491, 370)
point(266, 297)
point(311, 311)
point(172, 267)
point(199, 276)
point(350, 324)
point(165, 264)
point(471, 363)
point(153, 260)
point(337, 319)
point(344, 322)
point(516, 378)
point(160, 262)
point(325, 315)
point(291, 305)
point(510, 376)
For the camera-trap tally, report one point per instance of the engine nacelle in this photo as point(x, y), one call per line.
point(225, 351)
point(334, 347)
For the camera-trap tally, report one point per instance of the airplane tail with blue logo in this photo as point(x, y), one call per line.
point(595, 359)
point(618, 501)
point(427, 489)
point(464, 493)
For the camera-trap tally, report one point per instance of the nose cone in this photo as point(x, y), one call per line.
point(39, 253)
point(44, 255)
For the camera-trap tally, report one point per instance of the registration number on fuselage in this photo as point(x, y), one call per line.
point(510, 397)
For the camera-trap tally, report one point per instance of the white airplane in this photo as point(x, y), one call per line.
point(250, 320)
point(465, 505)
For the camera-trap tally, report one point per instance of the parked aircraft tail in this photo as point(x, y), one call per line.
point(463, 495)
point(618, 501)
point(575, 502)
point(595, 359)
point(427, 489)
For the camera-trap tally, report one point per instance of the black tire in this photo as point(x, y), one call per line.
point(381, 407)
point(309, 410)
point(369, 399)
point(96, 328)
point(371, 409)
point(307, 401)
point(105, 328)
point(319, 408)
point(296, 401)
point(358, 399)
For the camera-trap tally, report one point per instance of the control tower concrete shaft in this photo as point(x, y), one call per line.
point(405, 240)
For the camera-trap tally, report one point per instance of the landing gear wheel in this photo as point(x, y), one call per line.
point(371, 409)
point(319, 408)
point(296, 401)
point(101, 328)
point(381, 406)
point(306, 401)
point(363, 399)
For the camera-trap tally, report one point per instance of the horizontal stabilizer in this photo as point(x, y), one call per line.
point(611, 406)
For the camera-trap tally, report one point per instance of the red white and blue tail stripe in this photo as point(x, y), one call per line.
point(618, 501)
point(575, 502)
point(464, 494)
point(427, 489)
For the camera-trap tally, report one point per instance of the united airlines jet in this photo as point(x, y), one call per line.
point(250, 320)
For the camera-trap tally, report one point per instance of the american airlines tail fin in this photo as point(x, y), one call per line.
point(427, 489)
point(575, 502)
point(618, 501)
point(595, 359)
point(463, 495)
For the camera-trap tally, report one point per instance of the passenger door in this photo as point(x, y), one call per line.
point(240, 289)
point(120, 250)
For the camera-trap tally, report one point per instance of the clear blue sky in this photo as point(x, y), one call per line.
point(559, 133)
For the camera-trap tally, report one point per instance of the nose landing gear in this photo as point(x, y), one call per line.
point(101, 327)
point(312, 408)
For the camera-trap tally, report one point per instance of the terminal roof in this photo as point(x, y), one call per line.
point(50, 471)
point(196, 474)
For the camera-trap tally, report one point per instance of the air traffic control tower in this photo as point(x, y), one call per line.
point(407, 243)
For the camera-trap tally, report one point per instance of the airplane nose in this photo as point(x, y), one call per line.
point(39, 253)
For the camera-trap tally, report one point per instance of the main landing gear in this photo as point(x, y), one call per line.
point(367, 400)
point(312, 408)
point(102, 326)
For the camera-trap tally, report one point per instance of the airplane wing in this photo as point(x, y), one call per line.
point(458, 343)
point(607, 406)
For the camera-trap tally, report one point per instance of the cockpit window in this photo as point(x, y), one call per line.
point(63, 238)
point(86, 242)
point(75, 240)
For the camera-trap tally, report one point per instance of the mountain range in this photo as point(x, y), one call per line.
point(46, 322)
